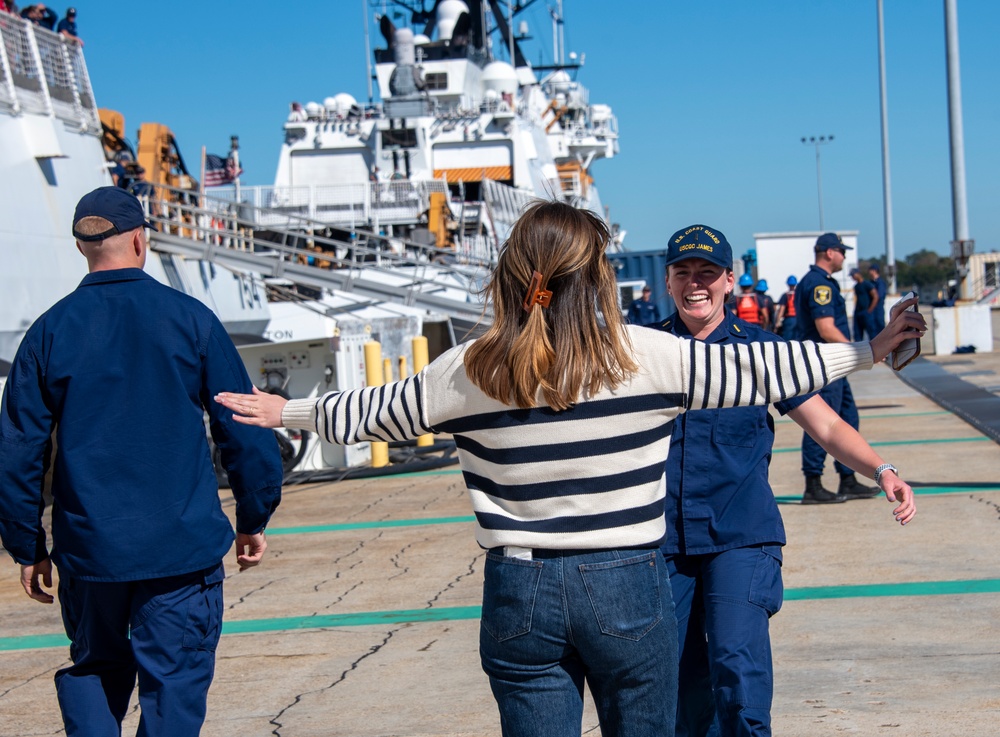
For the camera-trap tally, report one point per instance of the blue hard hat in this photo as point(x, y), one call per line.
point(746, 280)
point(761, 286)
point(792, 281)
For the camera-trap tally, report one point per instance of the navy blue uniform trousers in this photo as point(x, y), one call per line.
point(839, 396)
point(723, 601)
point(163, 630)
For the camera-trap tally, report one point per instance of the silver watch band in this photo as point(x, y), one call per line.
point(882, 469)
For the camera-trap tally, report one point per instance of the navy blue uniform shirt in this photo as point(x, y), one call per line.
point(718, 495)
point(124, 368)
point(643, 312)
point(818, 295)
point(863, 295)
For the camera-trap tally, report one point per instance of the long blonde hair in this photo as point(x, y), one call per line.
point(578, 342)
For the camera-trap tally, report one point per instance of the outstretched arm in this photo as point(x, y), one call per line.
point(845, 444)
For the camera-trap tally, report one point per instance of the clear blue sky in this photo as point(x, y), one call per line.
point(712, 99)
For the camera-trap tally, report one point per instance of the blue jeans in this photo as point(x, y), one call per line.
point(604, 617)
point(163, 631)
point(723, 602)
point(840, 397)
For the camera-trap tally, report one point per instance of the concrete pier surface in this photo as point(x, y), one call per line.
point(363, 619)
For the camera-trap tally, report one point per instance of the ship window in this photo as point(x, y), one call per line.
point(436, 81)
point(399, 138)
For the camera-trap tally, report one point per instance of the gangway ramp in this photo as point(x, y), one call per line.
point(368, 265)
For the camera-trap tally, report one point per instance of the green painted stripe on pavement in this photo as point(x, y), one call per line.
point(928, 588)
point(368, 525)
point(884, 443)
point(360, 619)
point(33, 642)
point(918, 490)
point(356, 619)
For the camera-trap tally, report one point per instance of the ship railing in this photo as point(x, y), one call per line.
point(302, 252)
point(45, 73)
point(342, 205)
point(505, 204)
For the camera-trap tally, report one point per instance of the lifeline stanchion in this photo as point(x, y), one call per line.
point(420, 360)
point(375, 376)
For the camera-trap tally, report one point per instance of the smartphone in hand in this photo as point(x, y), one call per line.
point(909, 348)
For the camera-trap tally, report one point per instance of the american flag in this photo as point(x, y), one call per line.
point(219, 171)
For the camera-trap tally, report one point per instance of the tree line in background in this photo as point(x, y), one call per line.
point(925, 272)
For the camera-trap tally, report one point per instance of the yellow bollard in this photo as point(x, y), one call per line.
point(402, 368)
point(375, 376)
point(387, 370)
point(420, 354)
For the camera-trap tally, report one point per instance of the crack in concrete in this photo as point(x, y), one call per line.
point(339, 598)
point(250, 593)
point(470, 571)
point(403, 570)
point(25, 682)
point(343, 676)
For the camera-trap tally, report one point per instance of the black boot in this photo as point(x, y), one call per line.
point(816, 494)
point(851, 489)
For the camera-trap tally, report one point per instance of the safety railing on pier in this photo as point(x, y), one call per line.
point(44, 73)
point(367, 264)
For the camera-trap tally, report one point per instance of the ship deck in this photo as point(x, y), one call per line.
point(362, 620)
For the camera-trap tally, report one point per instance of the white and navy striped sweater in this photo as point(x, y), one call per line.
point(591, 476)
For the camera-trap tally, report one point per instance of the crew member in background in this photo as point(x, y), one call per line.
point(822, 317)
point(784, 323)
point(123, 369)
point(766, 305)
point(747, 306)
point(878, 314)
point(40, 15)
point(865, 303)
point(67, 26)
point(144, 191)
point(643, 311)
point(724, 531)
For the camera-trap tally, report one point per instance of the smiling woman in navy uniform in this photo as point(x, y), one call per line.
point(724, 531)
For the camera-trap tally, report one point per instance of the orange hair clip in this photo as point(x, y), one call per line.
point(536, 294)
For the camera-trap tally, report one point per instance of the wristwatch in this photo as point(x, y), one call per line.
point(882, 469)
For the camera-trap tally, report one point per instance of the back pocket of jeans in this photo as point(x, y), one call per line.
point(509, 589)
point(625, 595)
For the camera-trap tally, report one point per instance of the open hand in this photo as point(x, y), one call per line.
point(260, 408)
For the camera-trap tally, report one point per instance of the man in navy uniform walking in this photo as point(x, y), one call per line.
point(822, 317)
point(123, 370)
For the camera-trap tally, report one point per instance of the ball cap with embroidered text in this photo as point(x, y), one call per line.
point(70, 11)
point(700, 241)
point(831, 240)
point(115, 205)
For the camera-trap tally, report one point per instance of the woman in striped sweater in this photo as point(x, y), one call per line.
point(562, 416)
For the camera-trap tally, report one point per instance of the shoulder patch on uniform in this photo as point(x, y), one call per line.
point(822, 295)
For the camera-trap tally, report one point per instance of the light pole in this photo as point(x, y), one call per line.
point(818, 141)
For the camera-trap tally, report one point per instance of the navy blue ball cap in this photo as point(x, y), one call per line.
point(122, 209)
point(700, 241)
point(831, 240)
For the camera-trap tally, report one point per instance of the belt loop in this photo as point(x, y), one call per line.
point(512, 551)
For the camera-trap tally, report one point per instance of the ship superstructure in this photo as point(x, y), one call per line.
point(464, 134)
